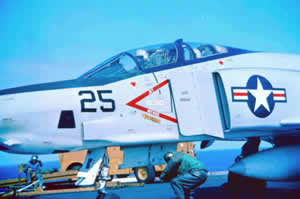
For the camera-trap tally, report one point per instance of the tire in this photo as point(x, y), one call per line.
point(76, 166)
point(145, 174)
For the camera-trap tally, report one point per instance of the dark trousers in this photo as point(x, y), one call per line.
point(183, 183)
point(39, 176)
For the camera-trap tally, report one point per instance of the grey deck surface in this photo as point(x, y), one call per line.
point(211, 189)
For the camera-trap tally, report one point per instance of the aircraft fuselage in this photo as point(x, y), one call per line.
point(232, 96)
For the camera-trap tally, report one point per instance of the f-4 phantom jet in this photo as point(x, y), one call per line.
point(148, 99)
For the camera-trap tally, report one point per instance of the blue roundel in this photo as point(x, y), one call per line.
point(260, 97)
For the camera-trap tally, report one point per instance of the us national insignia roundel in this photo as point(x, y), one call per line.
point(259, 95)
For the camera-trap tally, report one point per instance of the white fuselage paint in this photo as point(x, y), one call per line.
point(29, 121)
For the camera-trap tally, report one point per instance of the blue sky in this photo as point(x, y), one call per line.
point(51, 40)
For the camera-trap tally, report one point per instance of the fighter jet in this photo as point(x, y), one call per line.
point(148, 99)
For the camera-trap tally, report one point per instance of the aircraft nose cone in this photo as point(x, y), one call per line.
point(238, 168)
point(3, 147)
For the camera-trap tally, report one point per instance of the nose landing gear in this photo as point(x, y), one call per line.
point(96, 167)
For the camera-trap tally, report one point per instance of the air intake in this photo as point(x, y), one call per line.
point(66, 120)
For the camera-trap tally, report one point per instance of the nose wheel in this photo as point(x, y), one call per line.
point(96, 167)
point(145, 174)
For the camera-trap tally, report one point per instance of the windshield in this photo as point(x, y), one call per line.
point(138, 61)
point(133, 62)
point(122, 66)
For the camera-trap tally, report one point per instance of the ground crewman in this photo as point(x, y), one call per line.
point(34, 167)
point(184, 173)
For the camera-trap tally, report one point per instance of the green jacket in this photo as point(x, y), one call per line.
point(179, 164)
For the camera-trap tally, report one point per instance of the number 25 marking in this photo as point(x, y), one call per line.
point(92, 99)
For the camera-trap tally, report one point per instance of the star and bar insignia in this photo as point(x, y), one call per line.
point(259, 95)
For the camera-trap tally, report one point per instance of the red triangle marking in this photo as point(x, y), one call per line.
point(133, 103)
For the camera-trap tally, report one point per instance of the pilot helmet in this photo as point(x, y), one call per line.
point(34, 157)
point(142, 53)
point(197, 52)
point(220, 49)
point(168, 156)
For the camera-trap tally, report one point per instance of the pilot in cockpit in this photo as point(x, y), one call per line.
point(207, 51)
point(142, 57)
point(197, 53)
point(156, 57)
point(171, 54)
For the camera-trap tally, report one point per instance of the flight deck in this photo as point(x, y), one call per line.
point(129, 189)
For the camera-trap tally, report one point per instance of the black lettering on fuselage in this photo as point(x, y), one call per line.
point(90, 99)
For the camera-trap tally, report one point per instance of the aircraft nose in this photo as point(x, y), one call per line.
point(6, 139)
point(9, 142)
point(3, 147)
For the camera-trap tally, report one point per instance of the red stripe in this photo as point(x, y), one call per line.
point(278, 95)
point(167, 118)
point(147, 93)
point(240, 94)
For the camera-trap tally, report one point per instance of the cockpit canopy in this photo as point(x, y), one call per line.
point(153, 58)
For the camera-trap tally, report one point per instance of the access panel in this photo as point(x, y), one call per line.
point(195, 101)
